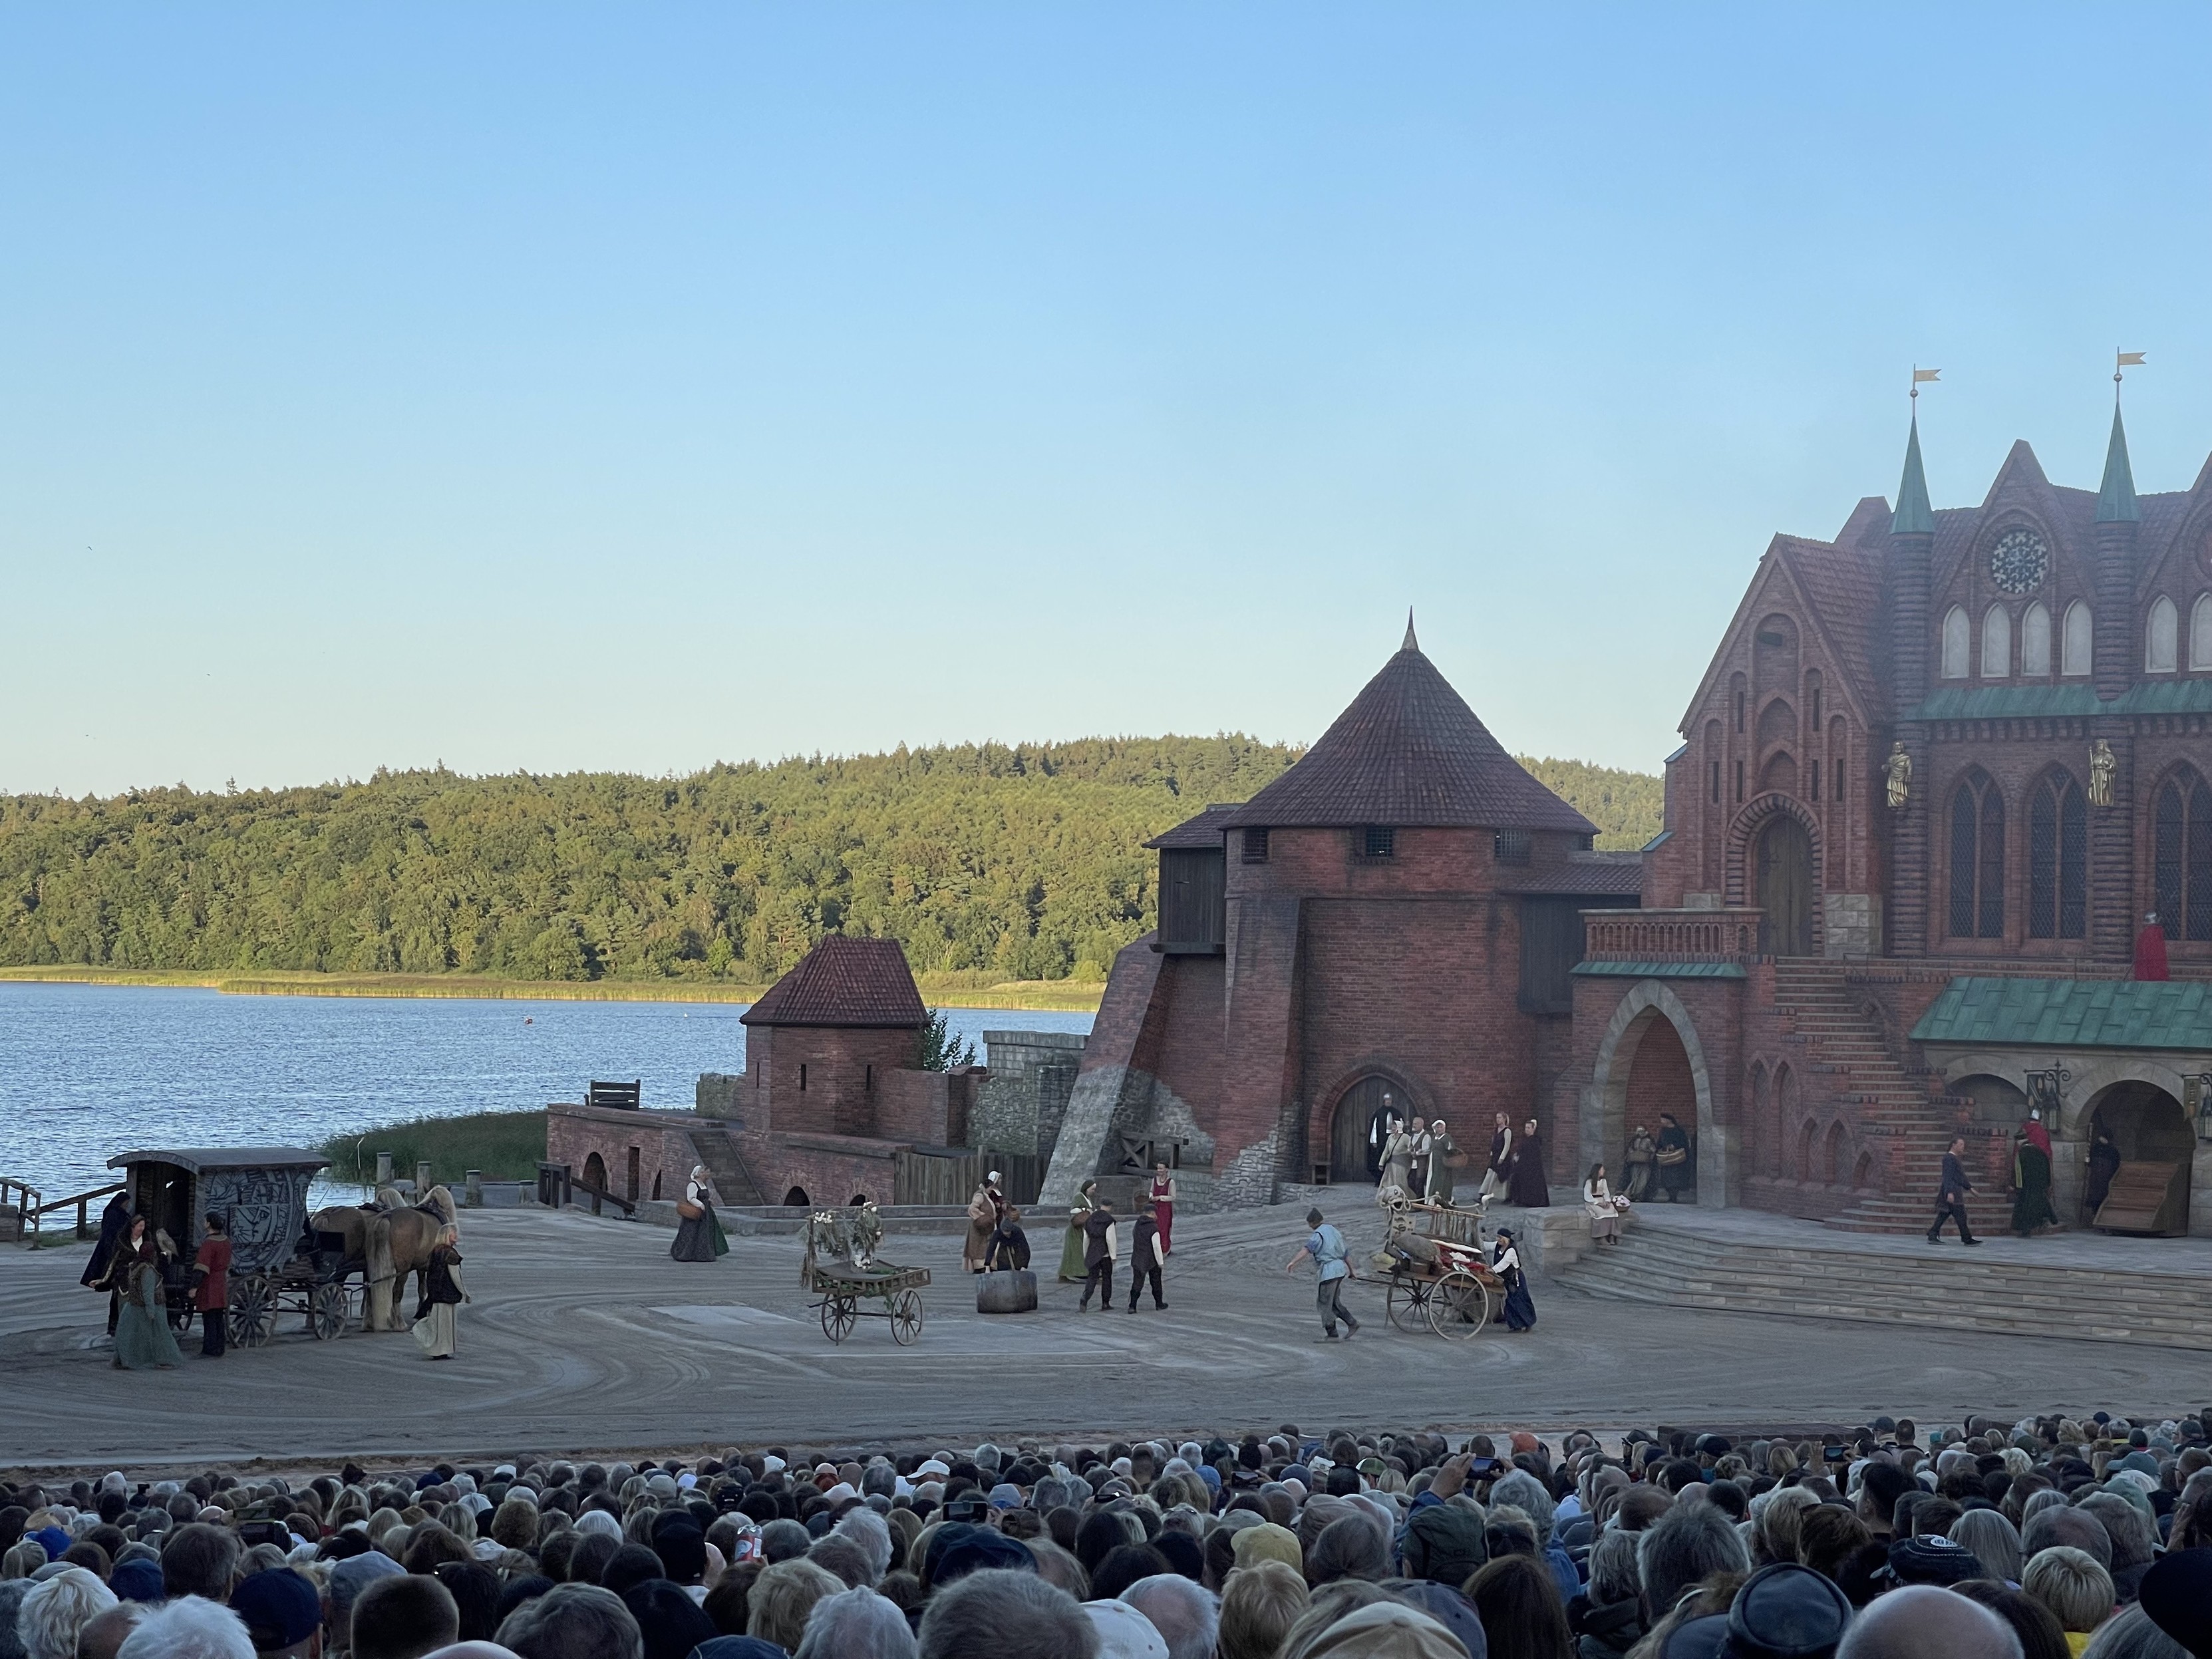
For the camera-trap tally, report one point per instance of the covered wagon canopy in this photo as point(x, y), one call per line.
point(197, 1160)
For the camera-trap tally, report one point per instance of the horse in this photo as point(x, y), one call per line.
point(392, 1240)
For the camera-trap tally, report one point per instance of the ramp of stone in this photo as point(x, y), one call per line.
point(1947, 1285)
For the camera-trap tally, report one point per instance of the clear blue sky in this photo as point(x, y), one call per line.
point(547, 387)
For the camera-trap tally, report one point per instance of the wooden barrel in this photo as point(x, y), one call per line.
point(1011, 1292)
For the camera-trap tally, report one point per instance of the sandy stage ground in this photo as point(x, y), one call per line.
point(584, 1336)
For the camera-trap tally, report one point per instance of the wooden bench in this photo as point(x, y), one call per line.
point(618, 1097)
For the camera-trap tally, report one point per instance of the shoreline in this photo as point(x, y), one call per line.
point(1032, 996)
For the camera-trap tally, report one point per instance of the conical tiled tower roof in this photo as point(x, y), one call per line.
point(1409, 751)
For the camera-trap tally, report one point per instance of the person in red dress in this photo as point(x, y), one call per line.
point(1162, 1197)
point(2150, 950)
point(211, 1287)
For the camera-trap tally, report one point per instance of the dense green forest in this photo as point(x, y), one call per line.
point(1025, 862)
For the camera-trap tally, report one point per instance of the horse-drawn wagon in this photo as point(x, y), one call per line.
point(276, 1266)
point(1437, 1273)
point(851, 1275)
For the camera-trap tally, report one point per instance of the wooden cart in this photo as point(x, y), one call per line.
point(1443, 1282)
point(276, 1267)
point(851, 1275)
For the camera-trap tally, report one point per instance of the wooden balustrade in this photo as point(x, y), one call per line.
point(1670, 935)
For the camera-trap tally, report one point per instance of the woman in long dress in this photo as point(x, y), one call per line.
point(143, 1341)
point(699, 1235)
point(1442, 1150)
point(1072, 1270)
point(1162, 1196)
point(433, 1320)
point(1397, 1159)
point(1505, 1261)
point(1602, 1208)
point(2031, 1180)
point(1529, 1186)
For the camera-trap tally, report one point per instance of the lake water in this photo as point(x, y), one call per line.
point(89, 1071)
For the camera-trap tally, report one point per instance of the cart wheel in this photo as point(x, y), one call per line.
point(1405, 1304)
point(326, 1312)
point(252, 1311)
point(1460, 1307)
point(839, 1315)
point(906, 1317)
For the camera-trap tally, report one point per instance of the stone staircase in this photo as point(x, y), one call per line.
point(732, 1181)
point(1950, 1288)
point(1893, 1105)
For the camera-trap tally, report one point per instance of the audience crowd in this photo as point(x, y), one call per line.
point(2039, 1539)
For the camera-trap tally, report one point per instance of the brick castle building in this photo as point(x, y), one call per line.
point(1823, 979)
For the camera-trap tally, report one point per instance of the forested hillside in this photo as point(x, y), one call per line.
point(1025, 862)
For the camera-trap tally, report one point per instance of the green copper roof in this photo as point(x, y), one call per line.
point(2071, 1014)
point(1660, 970)
point(2115, 499)
point(1913, 516)
point(2001, 702)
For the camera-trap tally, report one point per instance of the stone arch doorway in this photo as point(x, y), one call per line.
point(1783, 886)
point(595, 1171)
point(1359, 1125)
point(1649, 1061)
point(2156, 1143)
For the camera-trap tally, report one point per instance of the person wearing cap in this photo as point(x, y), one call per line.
point(1009, 1248)
point(1148, 1247)
point(282, 1612)
point(1325, 1249)
point(984, 1211)
point(1520, 1309)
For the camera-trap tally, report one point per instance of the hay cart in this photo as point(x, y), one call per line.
point(1438, 1274)
point(840, 1269)
point(276, 1266)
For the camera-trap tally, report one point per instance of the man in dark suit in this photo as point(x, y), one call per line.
point(1951, 1196)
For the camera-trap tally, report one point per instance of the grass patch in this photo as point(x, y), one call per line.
point(503, 1145)
point(962, 990)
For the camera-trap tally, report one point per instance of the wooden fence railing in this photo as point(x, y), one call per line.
point(1670, 935)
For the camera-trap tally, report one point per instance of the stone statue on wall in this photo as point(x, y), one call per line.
point(2103, 762)
point(1898, 769)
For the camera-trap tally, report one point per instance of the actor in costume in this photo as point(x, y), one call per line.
point(1148, 1249)
point(143, 1341)
point(2104, 1164)
point(1442, 1150)
point(699, 1236)
point(1505, 1261)
point(1100, 1243)
point(1677, 1162)
point(1642, 1159)
point(1529, 1184)
point(1421, 1147)
point(2150, 950)
point(2031, 1180)
point(983, 1211)
point(114, 1222)
point(1398, 1157)
point(211, 1287)
point(1072, 1270)
point(1494, 1178)
point(433, 1320)
point(1602, 1208)
point(1009, 1250)
point(1162, 1197)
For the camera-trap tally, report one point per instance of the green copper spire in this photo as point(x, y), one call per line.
point(2115, 501)
point(1913, 516)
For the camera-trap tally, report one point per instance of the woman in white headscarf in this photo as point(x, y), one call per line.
point(698, 1230)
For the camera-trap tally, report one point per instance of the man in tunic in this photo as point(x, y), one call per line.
point(1677, 1160)
point(1072, 1270)
point(2030, 1179)
point(1326, 1249)
point(1420, 1171)
point(1146, 1253)
point(1442, 1150)
point(1101, 1244)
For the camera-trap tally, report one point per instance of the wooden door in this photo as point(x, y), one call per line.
point(1357, 1132)
point(1785, 887)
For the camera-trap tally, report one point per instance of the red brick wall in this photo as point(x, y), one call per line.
point(830, 1169)
point(1659, 1081)
point(1186, 1054)
point(838, 1092)
point(573, 1133)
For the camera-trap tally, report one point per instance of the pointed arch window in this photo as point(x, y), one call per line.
point(1996, 643)
point(1977, 837)
point(2076, 653)
point(2181, 857)
point(2200, 633)
point(2158, 637)
point(2035, 642)
point(2058, 860)
point(1957, 641)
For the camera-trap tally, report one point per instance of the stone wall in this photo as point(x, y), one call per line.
point(661, 1141)
point(1031, 1074)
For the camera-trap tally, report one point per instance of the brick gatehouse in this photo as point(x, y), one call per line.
point(1825, 983)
